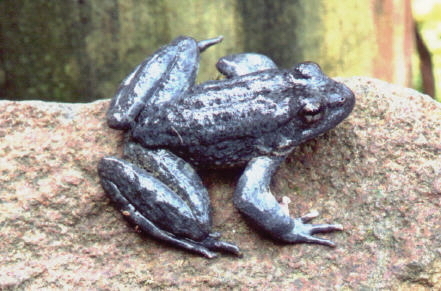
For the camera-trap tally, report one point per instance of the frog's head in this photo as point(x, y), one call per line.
point(321, 102)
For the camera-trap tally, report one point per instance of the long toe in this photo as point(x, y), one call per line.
point(221, 246)
point(323, 228)
point(315, 240)
point(227, 247)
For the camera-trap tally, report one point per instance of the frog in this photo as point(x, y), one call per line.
point(253, 118)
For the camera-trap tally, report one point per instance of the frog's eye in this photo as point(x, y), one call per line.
point(311, 112)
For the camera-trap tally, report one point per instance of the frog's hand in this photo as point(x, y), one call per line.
point(172, 68)
point(243, 64)
point(156, 209)
point(254, 199)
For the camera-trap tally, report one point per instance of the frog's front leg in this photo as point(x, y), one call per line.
point(254, 199)
point(172, 205)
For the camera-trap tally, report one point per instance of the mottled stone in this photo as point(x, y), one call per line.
point(378, 174)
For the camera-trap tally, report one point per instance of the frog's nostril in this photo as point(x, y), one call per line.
point(337, 99)
point(341, 96)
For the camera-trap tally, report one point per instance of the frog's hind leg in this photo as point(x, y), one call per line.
point(244, 63)
point(206, 43)
point(178, 213)
point(254, 199)
point(160, 78)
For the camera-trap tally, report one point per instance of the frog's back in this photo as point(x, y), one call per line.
point(218, 111)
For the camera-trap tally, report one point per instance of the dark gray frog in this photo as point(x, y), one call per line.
point(253, 118)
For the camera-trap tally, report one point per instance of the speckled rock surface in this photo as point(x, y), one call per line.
point(378, 173)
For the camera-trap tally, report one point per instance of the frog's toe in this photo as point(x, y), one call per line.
point(318, 228)
point(204, 44)
point(212, 243)
point(309, 216)
point(323, 228)
point(303, 233)
point(314, 240)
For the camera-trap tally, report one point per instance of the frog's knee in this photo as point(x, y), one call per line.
point(243, 64)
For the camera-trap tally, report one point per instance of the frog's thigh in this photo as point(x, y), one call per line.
point(171, 69)
point(178, 218)
point(131, 187)
point(135, 217)
point(178, 175)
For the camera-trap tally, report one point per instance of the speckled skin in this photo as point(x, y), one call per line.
point(255, 117)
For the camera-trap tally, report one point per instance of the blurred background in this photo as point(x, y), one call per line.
point(80, 50)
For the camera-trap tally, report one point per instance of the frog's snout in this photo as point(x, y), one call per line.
point(349, 97)
point(341, 97)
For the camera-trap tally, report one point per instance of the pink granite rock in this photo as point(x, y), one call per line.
point(378, 174)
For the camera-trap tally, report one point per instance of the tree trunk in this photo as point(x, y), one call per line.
point(81, 50)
